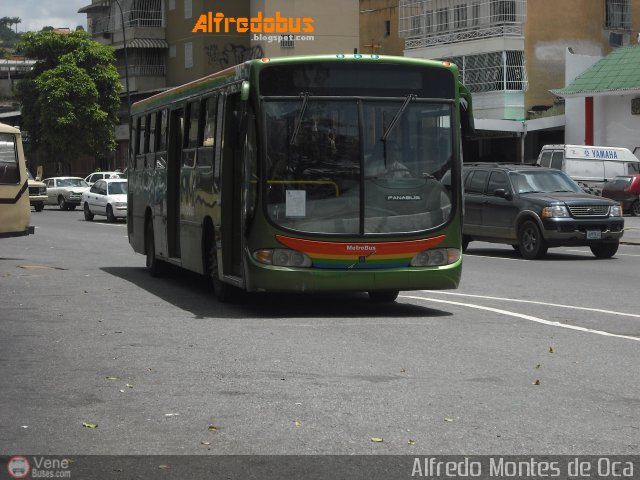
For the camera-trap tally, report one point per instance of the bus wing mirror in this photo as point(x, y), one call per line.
point(466, 113)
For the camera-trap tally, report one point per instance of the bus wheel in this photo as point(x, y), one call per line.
point(384, 297)
point(153, 264)
point(223, 291)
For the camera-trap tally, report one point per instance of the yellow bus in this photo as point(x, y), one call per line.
point(15, 210)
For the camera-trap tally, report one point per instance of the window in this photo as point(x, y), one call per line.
point(545, 159)
point(209, 136)
point(503, 11)
point(416, 25)
point(476, 181)
point(162, 134)
point(152, 133)
point(497, 180)
point(442, 19)
point(460, 16)
point(286, 41)
point(475, 14)
point(188, 55)
point(9, 172)
point(428, 21)
point(618, 14)
point(141, 135)
point(387, 28)
point(188, 8)
point(193, 121)
point(556, 160)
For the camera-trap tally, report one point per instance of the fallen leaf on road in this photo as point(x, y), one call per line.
point(411, 442)
point(551, 350)
point(89, 425)
point(448, 419)
point(212, 428)
point(377, 439)
point(164, 466)
point(297, 423)
point(536, 382)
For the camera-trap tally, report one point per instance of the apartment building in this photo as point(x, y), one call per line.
point(511, 54)
point(172, 42)
point(379, 24)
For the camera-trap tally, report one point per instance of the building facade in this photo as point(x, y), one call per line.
point(172, 42)
point(511, 54)
point(379, 24)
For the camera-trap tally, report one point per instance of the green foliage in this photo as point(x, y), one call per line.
point(8, 37)
point(71, 101)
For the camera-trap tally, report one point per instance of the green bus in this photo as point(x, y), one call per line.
point(304, 174)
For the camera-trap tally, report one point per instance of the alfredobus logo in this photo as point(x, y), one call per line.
point(210, 22)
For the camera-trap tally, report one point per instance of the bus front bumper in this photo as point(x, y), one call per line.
point(266, 278)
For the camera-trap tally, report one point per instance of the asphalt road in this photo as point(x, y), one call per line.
point(526, 357)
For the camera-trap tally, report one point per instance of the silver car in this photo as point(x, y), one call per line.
point(106, 197)
point(66, 192)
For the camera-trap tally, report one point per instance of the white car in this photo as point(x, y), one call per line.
point(95, 176)
point(106, 197)
point(66, 192)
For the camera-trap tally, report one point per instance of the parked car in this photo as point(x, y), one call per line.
point(66, 192)
point(95, 176)
point(106, 197)
point(534, 208)
point(37, 192)
point(626, 190)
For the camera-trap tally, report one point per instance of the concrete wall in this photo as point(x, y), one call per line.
point(373, 35)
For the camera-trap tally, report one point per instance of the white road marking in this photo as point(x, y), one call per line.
point(572, 307)
point(524, 317)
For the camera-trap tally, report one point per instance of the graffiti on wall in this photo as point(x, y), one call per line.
point(231, 54)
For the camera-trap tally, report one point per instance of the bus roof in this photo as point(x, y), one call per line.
point(242, 71)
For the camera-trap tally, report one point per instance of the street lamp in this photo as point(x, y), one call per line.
point(126, 75)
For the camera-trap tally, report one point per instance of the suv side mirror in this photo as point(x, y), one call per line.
point(501, 192)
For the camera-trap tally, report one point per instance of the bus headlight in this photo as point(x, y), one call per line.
point(282, 257)
point(436, 257)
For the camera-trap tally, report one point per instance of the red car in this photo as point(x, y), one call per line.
point(626, 190)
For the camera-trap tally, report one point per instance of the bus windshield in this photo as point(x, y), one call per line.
point(348, 170)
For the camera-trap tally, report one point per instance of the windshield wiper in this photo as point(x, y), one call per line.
point(393, 123)
point(303, 108)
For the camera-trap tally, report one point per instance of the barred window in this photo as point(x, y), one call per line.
point(286, 41)
point(460, 16)
point(618, 14)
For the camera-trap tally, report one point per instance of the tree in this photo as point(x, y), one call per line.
point(71, 100)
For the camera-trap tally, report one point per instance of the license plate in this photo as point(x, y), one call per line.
point(594, 234)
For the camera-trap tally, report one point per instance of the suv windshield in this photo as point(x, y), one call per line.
point(335, 166)
point(543, 181)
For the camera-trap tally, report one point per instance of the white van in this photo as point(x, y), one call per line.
point(590, 166)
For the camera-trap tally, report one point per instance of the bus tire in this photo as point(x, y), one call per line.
point(223, 291)
point(153, 264)
point(384, 297)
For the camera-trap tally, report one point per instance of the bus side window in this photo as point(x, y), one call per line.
point(9, 172)
point(140, 150)
point(208, 119)
point(192, 122)
point(161, 157)
point(151, 149)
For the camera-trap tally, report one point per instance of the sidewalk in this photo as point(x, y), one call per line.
point(631, 231)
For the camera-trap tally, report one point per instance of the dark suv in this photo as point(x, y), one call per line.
point(534, 208)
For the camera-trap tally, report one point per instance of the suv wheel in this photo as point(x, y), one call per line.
point(62, 204)
point(635, 208)
point(39, 206)
point(530, 241)
point(605, 250)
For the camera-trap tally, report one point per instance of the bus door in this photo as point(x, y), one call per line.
point(174, 162)
point(231, 160)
